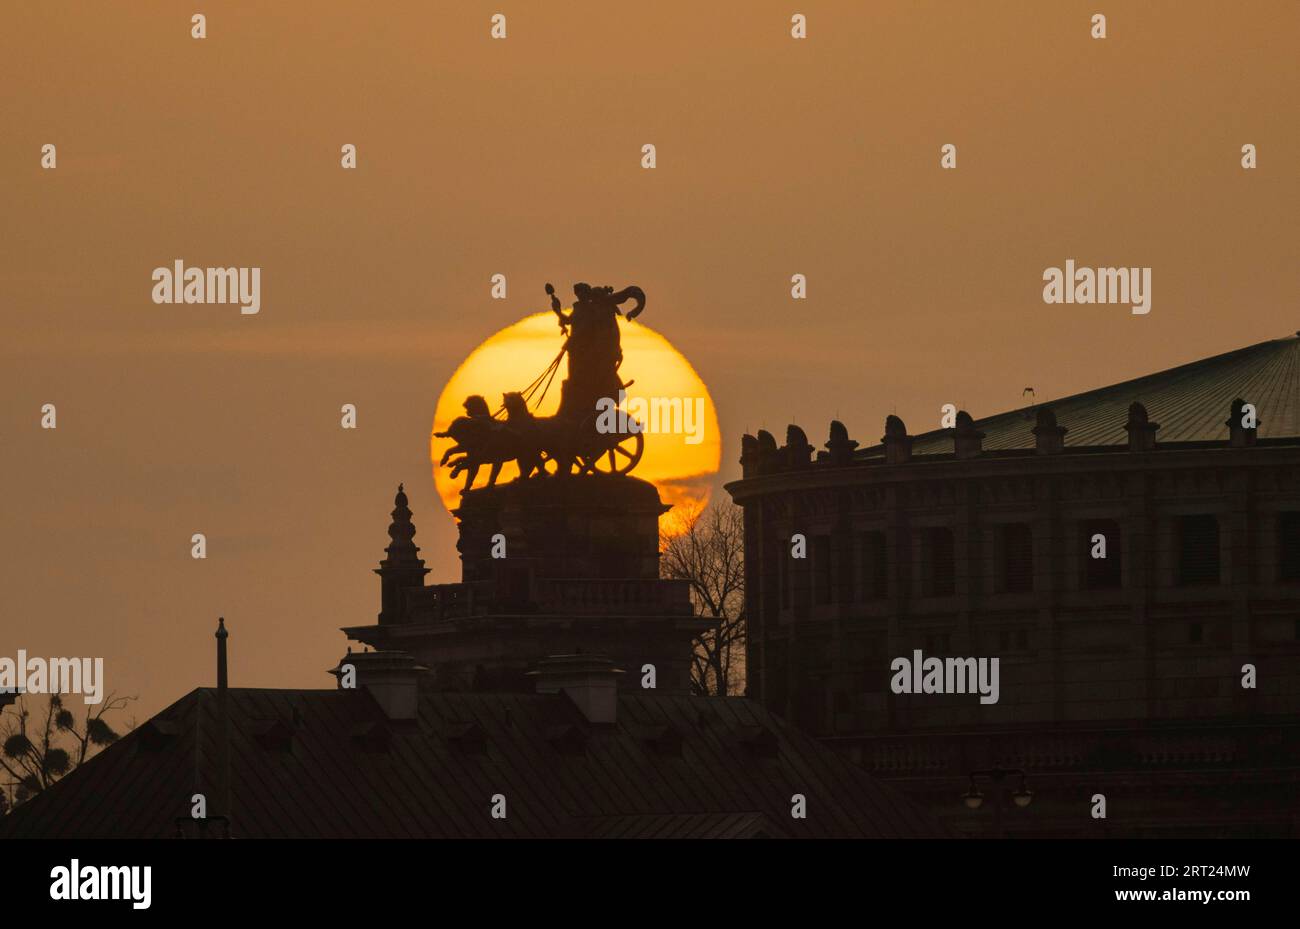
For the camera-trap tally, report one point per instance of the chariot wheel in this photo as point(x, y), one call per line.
point(618, 457)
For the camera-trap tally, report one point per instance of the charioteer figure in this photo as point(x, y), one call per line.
point(593, 345)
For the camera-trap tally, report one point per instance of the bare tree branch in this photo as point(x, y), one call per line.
point(33, 764)
point(705, 547)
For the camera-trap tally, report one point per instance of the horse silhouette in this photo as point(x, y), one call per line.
point(480, 439)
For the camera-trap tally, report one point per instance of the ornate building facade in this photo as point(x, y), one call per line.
point(1130, 555)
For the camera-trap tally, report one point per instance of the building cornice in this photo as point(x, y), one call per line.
point(1016, 463)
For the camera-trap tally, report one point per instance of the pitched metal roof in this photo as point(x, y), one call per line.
point(1190, 402)
point(337, 767)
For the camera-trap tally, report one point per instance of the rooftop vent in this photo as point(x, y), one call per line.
point(590, 681)
point(392, 678)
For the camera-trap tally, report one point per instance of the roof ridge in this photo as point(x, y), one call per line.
point(1178, 372)
point(1186, 368)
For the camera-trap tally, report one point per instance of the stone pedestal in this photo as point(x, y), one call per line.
point(555, 565)
point(591, 526)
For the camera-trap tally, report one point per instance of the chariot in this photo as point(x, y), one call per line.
point(585, 436)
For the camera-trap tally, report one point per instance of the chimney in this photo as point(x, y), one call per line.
point(1049, 438)
point(898, 444)
point(1141, 431)
point(1241, 428)
point(393, 679)
point(590, 681)
point(966, 439)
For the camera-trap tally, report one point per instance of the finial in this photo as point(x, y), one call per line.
point(401, 530)
point(967, 440)
point(898, 444)
point(1049, 436)
point(797, 450)
point(1243, 426)
point(748, 455)
point(1141, 431)
point(840, 445)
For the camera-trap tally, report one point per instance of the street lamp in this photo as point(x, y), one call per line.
point(1022, 796)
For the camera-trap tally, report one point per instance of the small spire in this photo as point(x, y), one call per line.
point(402, 566)
point(221, 636)
point(401, 530)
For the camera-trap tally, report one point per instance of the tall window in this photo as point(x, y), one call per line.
point(1017, 558)
point(1288, 546)
point(873, 567)
point(1198, 550)
point(1102, 573)
point(939, 560)
point(823, 575)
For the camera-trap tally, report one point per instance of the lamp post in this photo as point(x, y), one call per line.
point(1022, 796)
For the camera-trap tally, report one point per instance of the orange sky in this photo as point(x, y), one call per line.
point(522, 157)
